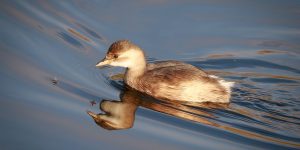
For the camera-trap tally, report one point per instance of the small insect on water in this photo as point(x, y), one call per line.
point(54, 81)
point(93, 102)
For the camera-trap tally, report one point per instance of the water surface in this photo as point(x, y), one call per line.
point(48, 77)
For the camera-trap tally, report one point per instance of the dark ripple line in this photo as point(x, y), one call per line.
point(273, 80)
point(235, 115)
point(69, 39)
point(265, 109)
point(261, 131)
point(257, 106)
point(220, 133)
point(237, 63)
point(282, 121)
point(89, 31)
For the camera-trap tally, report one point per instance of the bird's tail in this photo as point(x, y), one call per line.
point(227, 85)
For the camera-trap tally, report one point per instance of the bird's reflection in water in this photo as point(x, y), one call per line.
point(121, 114)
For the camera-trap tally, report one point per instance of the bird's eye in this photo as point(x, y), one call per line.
point(115, 56)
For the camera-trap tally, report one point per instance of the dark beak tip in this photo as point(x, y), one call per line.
point(93, 115)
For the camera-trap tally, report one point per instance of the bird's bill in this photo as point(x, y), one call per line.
point(104, 62)
point(93, 115)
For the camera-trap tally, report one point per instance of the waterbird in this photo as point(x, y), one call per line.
point(166, 80)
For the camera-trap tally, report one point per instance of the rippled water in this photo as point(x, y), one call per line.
point(48, 77)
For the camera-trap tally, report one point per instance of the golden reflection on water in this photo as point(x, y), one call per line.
point(121, 114)
point(267, 51)
point(214, 56)
point(79, 35)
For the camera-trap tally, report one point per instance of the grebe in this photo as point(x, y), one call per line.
point(166, 80)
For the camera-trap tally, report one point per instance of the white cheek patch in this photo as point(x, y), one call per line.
point(121, 61)
point(128, 58)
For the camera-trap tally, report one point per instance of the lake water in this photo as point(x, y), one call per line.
point(48, 77)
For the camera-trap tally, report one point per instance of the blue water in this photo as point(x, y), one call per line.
point(48, 77)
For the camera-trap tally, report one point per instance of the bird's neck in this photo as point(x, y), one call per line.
point(133, 73)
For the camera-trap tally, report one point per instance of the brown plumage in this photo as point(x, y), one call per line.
point(167, 80)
